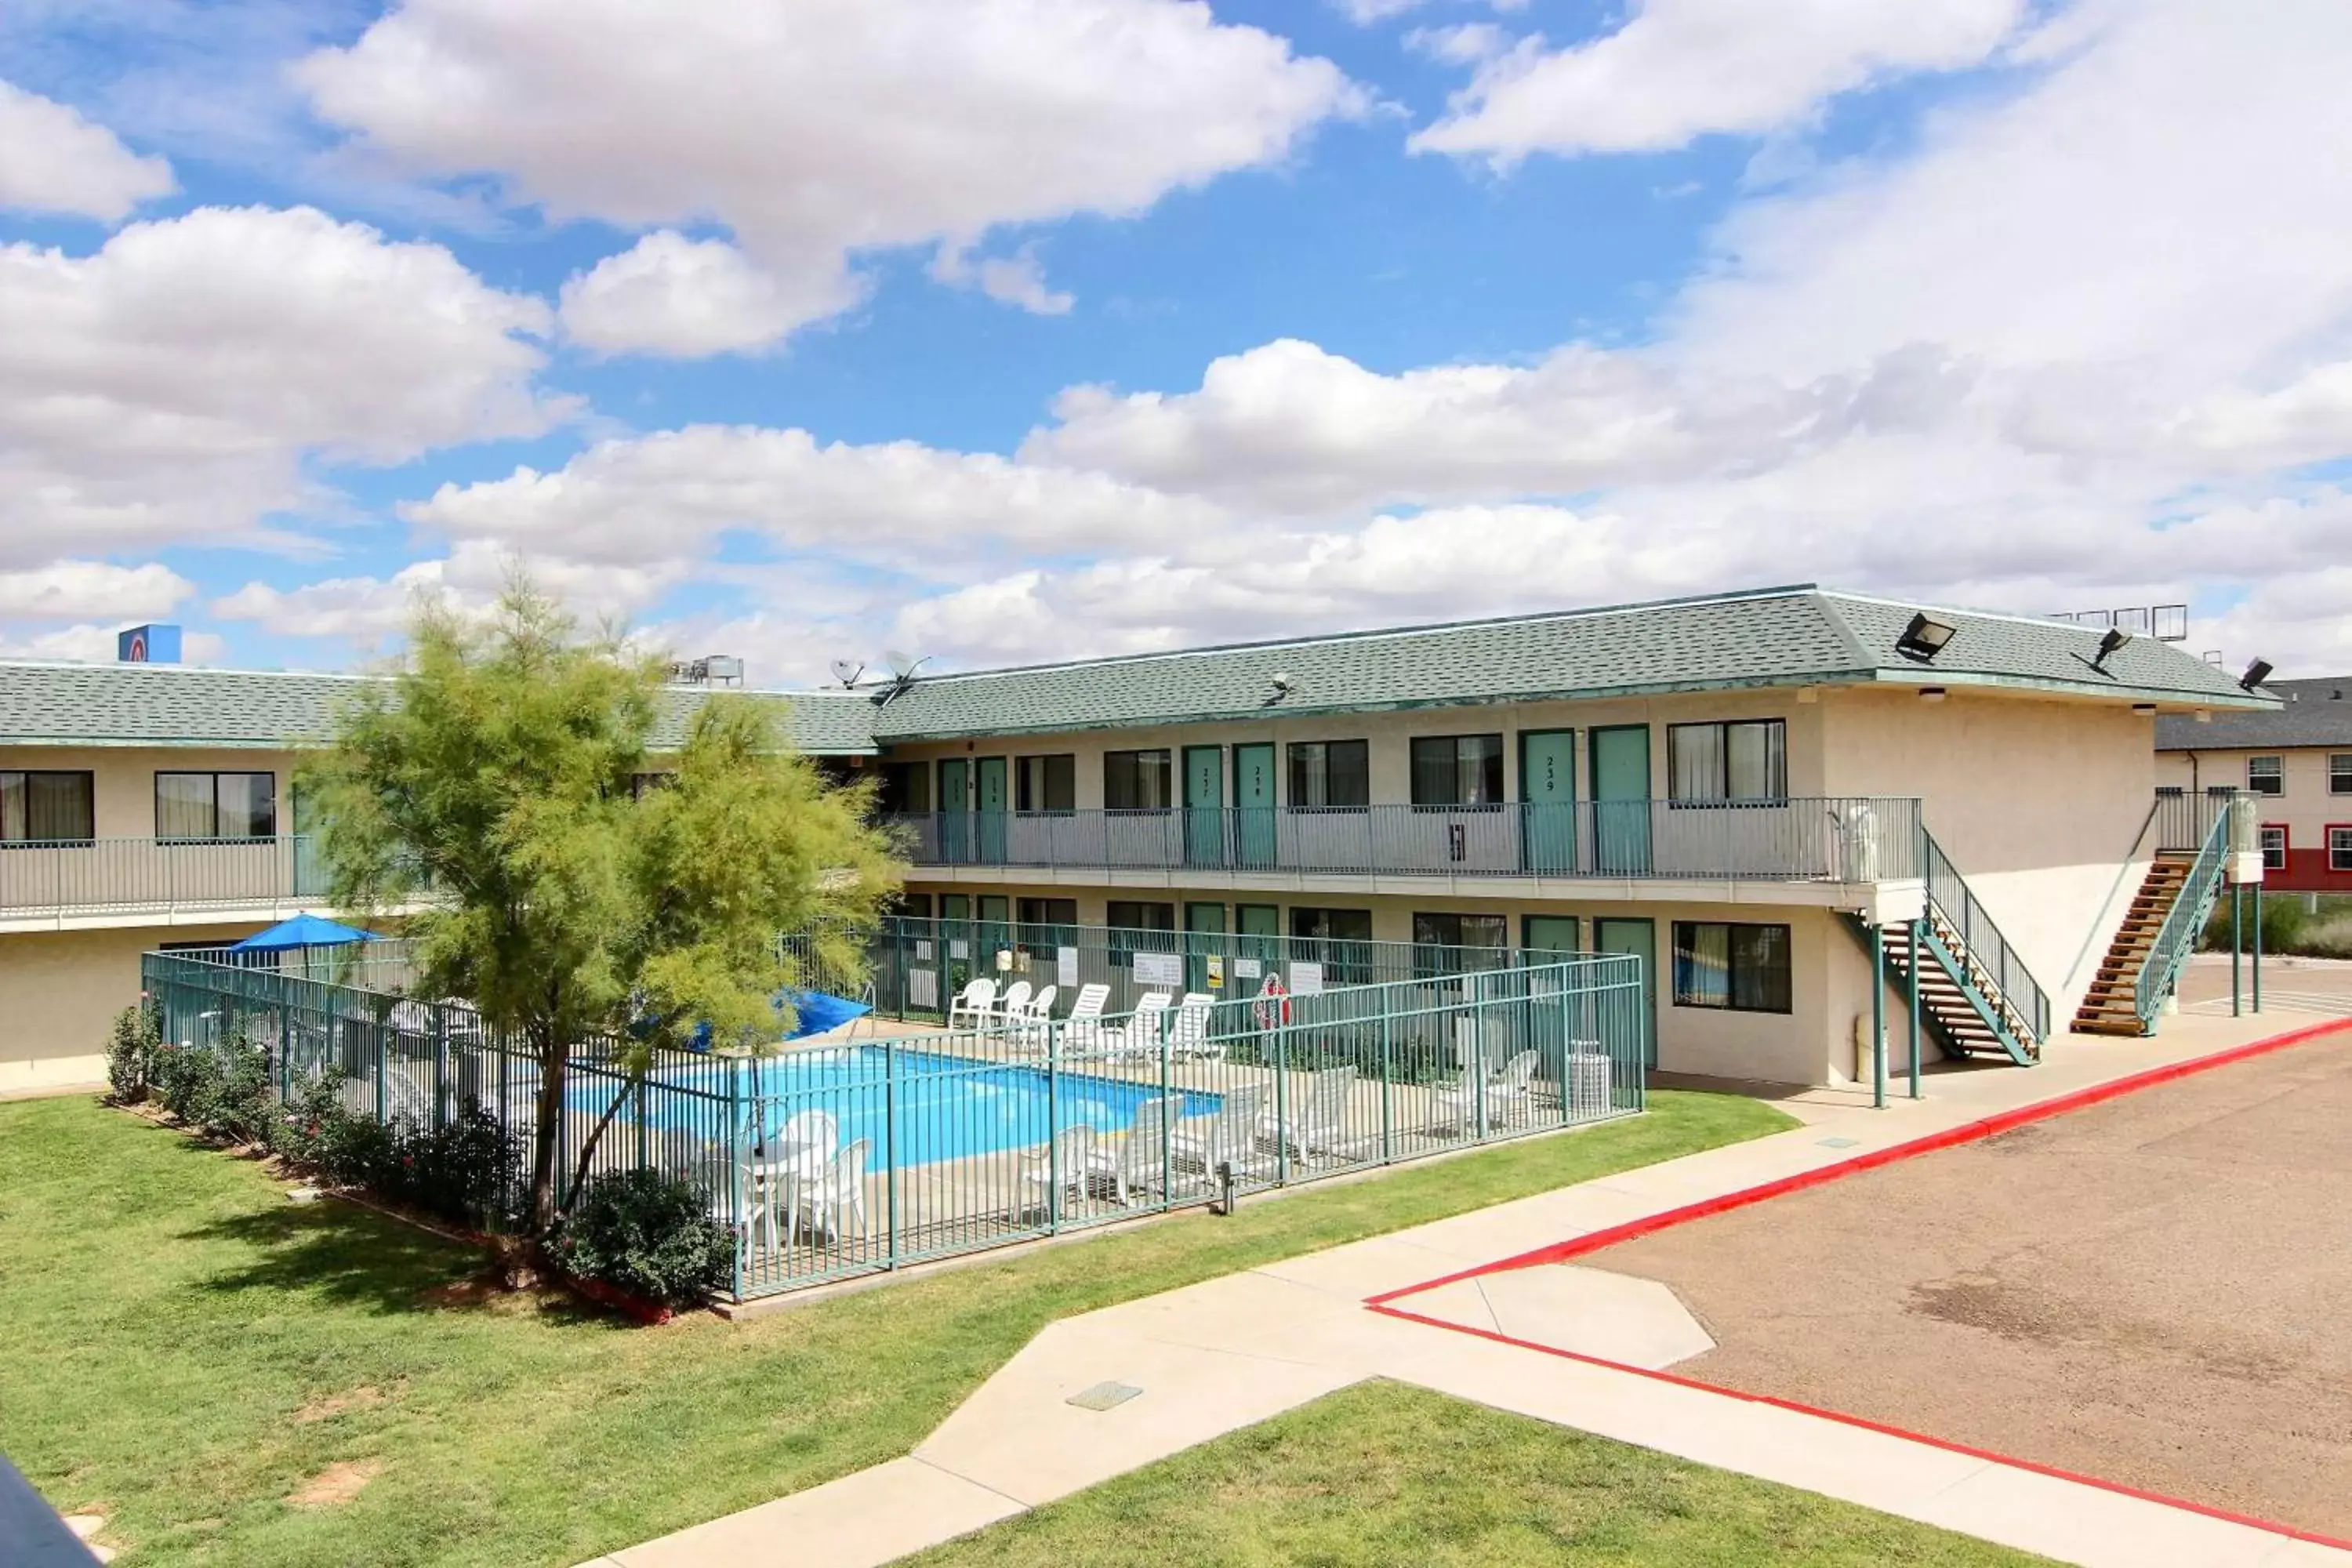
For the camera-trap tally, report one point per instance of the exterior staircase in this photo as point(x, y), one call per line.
point(1964, 1014)
point(1976, 998)
point(2114, 1004)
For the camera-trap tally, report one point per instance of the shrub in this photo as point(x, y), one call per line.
point(468, 1171)
point(222, 1090)
point(132, 1048)
point(647, 1234)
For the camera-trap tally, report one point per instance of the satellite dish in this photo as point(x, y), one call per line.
point(899, 662)
point(847, 671)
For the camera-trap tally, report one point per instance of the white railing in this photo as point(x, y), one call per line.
point(155, 876)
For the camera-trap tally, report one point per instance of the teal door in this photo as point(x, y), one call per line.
point(1621, 798)
point(955, 811)
point(310, 867)
point(993, 801)
point(1204, 937)
point(1547, 802)
point(994, 934)
point(1253, 805)
point(1204, 805)
point(1559, 1010)
point(1639, 937)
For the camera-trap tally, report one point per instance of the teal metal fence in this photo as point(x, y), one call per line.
point(834, 1160)
point(2225, 820)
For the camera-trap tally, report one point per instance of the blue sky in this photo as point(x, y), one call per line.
point(806, 329)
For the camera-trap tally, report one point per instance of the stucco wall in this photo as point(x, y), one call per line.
point(59, 990)
point(1390, 735)
point(2038, 802)
point(2307, 808)
point(1811, 1044)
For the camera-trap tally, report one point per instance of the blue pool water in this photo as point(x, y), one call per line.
point(947, 1107)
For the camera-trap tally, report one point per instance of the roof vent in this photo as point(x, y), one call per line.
point(147, 644)
point(1923, 638)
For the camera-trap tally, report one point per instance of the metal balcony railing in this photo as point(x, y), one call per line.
point(155, 876)
point(1835, 839)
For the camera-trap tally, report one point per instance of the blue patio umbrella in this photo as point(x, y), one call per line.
point(301, 932)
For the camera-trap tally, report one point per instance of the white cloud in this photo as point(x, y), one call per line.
point(53, 160)
point(1020, 279)
point(1678, 70)
point(65, 590)
point(816, 128)
point(367, 610)
point(686, 297)
point(173, 384)
point(668, 496)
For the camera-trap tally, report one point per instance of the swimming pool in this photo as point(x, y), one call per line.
point(936, 1106)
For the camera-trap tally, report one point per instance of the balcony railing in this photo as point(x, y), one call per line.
point(1833, 839)
point(147, 877)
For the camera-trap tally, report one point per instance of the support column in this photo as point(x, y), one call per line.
point(2258, 947)
point(1913, 968)
point(2237, 946)
point(1878, 1017)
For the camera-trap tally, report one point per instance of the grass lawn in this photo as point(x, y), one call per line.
point(186, 1352)
point(1382, 1473)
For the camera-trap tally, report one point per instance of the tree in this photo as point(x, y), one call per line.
point(499, 782)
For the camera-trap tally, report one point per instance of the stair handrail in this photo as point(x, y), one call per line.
point(1999, 973)
point(2184, 921)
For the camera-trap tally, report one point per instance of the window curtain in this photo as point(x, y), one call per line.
point(1760, 968)
point(1702, 966)
point(1694, 761)
point(183, 806)
point(57, 807)
point(1435, 781)
point(247, 805)
point(1756, 765)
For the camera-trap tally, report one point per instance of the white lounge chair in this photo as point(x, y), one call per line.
point(1499, 1102)
point(1188, 1033)
point(1085, 1032)
point(973, 1005)
point(1146, 1160)
point(1315, 1123)
point(1140, 1034)
point(827, 1197)
point(1227, 1135)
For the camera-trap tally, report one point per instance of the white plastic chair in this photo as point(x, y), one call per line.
point(973, 1005)
point(1038, 1016)
point(1502, 1099)
point(829, 1195)
point(1065, 1163)
point(1013, 1005)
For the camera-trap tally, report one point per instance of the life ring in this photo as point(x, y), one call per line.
point(1273, 1003)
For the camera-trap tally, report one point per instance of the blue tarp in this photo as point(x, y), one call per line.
point(817, 1010)
point(820, 1011)
point(302, 931)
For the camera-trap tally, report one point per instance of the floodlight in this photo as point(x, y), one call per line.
point(2256, 673)
point(2117, 637)
point(1923, 638)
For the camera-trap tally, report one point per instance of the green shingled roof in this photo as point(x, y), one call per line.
point(1771, 636)
point(161, 704)
point(1774, 637)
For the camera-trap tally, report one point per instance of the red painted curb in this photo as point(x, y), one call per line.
point(1966, 1133)
point(1950, 1137)
point(1865, 1423)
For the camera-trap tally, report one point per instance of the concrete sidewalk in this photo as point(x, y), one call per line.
point(1229, 1352)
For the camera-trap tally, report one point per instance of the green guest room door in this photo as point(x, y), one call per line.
point(1639, 937)
point(1204, 805)
point(955, 811)
point(1621, 798)
point(990, 819)
point(1547, 801)
point(1253, 804)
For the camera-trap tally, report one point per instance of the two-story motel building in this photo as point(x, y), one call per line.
point(1746, 789)
point(2295, 760)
